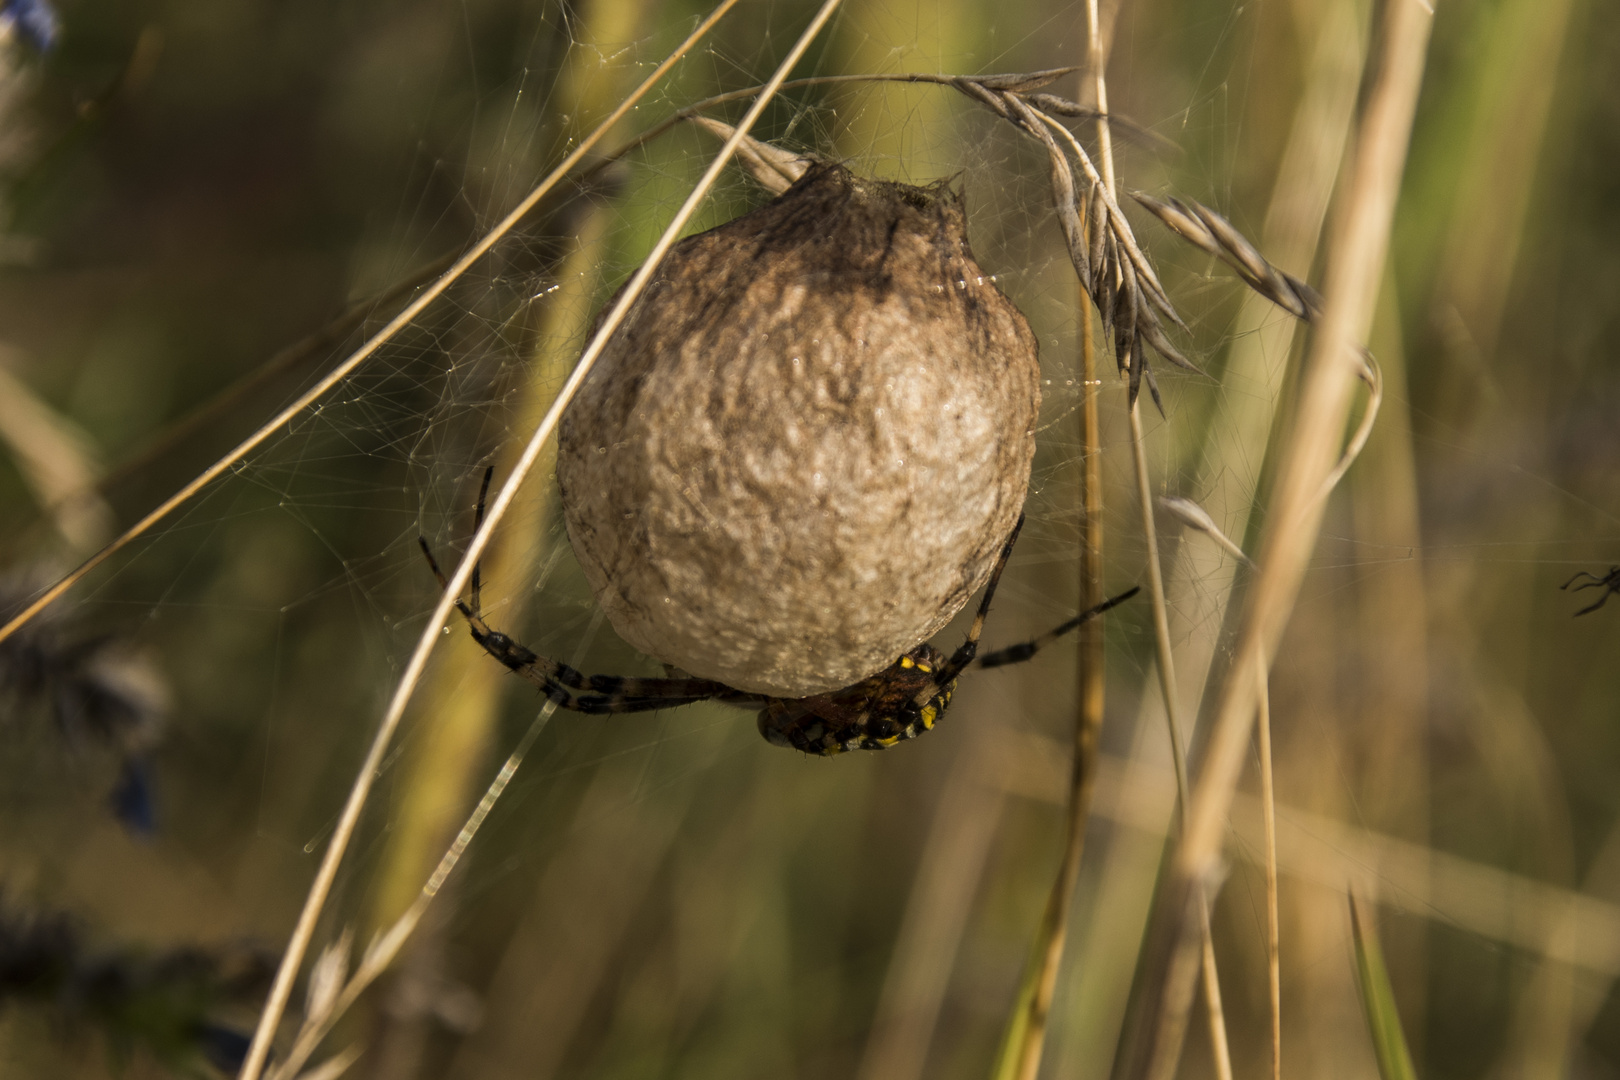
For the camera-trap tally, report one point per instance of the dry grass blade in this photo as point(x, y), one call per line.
point(1373, 376)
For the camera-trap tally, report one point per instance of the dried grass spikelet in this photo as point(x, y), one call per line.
point(798, 457)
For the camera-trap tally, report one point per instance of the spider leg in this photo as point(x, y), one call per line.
point(1584, 585)
point(478, 523)
point(1593, 607)
point(570, 689)
point(473, 618)
point(964, 655)
point(1017, 654)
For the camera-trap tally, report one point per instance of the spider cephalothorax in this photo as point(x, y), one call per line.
point(898, 703)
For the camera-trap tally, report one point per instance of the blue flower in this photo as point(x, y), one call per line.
point(34, 20)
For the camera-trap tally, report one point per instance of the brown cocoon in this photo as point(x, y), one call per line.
point(799, 455)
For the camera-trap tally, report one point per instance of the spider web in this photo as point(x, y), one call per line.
point(281, 604)
point(283, 601)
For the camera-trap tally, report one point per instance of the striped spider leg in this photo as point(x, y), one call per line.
point(898, 703)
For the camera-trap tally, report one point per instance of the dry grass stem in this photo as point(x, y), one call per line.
point(1025, 1038)
point(329, 996)
point(463, 572)
point(1562, 924)
point(1373, 376)
point(1360, 239)
point(1129, 296)
point(1197, 954)
point(1268, 809)
point(1171, 1033)
point(1220, 1047)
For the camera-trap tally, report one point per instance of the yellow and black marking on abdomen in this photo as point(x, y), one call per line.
point(874, 714)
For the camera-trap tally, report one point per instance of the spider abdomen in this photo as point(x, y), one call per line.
point(898, 703)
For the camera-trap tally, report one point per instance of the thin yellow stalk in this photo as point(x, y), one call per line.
point(458, 579)
point(1092, 691)
point(451, 758)
point(1268, 804)
point(360, 355)
point(1161, 637)
point(1161, 613)
point(1298, 203)
point(1174, 1022)
point(1359, 243)
point(387, 946)
point(1025, 1038)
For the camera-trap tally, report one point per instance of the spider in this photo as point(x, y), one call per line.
point(900, 702)
point(1609, 583)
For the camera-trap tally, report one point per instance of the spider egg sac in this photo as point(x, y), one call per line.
point(801, 453)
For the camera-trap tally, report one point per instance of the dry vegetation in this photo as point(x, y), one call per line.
point(192, 187)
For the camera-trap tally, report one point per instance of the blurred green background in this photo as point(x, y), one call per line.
point(192, 187)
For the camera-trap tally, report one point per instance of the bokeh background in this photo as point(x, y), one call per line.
point(206, 205)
